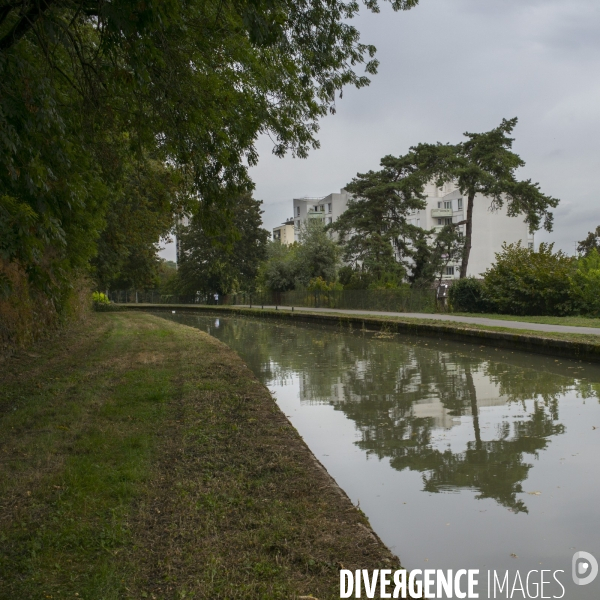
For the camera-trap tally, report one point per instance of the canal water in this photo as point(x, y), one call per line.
point(461, 456)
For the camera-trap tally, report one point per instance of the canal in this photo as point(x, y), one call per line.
point(461, 456)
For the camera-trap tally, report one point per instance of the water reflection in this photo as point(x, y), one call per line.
point(461, 456)
point(403, 395)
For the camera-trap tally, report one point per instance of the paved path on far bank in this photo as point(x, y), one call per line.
point(451, 318)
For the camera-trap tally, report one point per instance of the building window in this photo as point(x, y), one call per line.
point(329, 207)
point(297, 211)
point(439, 221)
point(298, 223)
point(448, 221)
point(328, 220)
point(448, 204)
point(460, 204)
point(439, 205)
point(449, 270)
point(530, 245)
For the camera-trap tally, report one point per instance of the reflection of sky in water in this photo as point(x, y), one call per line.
point(461, 456)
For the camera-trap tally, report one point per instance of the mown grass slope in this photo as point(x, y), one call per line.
point(140, 458)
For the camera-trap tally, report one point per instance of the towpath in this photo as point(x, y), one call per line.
point(549, 328)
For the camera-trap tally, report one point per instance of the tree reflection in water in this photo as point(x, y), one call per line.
point(402, 392)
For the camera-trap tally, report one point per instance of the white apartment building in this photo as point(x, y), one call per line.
point(445, 205)
point(285, 233)
point(326, 209)
point(491, 229)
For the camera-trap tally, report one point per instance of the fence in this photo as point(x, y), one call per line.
point(402, 300)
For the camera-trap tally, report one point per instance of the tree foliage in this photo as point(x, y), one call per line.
point(210, 263)
point(433, 252)
point(278, 272)
point(467, 295)
point(485, 165)
point(140, 213)
point(88, 87)
point(525, 282)
point(590, 243)
point(316, 256)
point(585, 283)
point(374, 229)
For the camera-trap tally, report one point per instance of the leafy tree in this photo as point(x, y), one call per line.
point(431, 257)
point(448, 247)
point(210, 264)
point(590, 243)
point(316, 256)
point(525, 282)
point(585, 282)
point(374, 226)
point(167, 277)
point(139, 214)
point(278, 272)
point(485, 165)
point(87, 86)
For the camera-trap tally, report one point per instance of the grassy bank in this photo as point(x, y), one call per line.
point(140, 458)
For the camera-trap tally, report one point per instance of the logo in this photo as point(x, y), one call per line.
point(585, 568)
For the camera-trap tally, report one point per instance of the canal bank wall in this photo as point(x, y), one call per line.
point(527, 341)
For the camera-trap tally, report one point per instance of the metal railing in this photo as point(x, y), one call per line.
point(402, 300)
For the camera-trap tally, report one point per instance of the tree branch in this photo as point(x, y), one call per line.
point(5, 11)
point(25, 23)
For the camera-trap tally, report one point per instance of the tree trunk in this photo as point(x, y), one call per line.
point(468, 232)
point(474, 408)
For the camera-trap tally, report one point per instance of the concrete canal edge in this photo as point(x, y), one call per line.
point(538, 342)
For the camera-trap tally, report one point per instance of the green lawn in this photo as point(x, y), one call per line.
point(140, 458)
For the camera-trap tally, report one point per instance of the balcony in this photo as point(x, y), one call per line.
point(441, 212)
point(315, 215)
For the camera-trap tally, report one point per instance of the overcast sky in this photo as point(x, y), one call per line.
point(450, 66)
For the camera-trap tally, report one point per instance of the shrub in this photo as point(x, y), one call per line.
point(524, 282)
point(100, 298)
point(585, 283)
point(318, 284)
point(466, 295)
point(101, 301)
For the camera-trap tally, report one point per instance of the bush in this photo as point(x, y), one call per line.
point(100, 298)
point(318, 284)
point(466, 295)
point(101, 301)
point(585, 283)
point(524, 282)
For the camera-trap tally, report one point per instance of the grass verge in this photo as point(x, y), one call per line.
point(571, 321)
point(140, 458)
